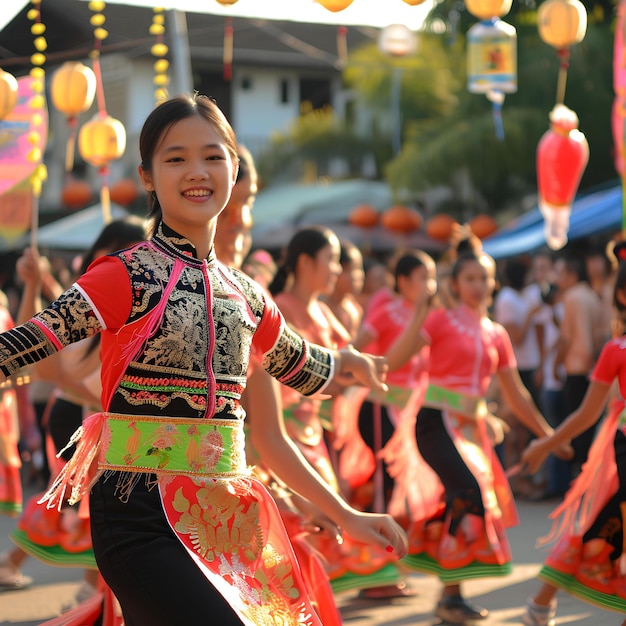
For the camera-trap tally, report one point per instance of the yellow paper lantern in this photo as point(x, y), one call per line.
point(227, 2)
point(335, 5)
point(486, 9)
point(73, 88)
point(102, 140)
point(562, 23)
point(8, 93)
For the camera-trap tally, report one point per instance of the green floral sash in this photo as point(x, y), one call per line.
point(170, 445)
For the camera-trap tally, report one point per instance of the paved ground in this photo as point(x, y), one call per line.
point(505, 598)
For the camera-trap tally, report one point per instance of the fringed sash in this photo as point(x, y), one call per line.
point(594, 486)
point(145, 444)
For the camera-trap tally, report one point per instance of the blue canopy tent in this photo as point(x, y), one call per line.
point(592, 214)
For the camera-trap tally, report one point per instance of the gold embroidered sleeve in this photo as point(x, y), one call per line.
point(21, 346)
point(299, 364)
point(67, 320)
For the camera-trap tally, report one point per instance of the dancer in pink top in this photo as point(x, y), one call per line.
point(460, 533)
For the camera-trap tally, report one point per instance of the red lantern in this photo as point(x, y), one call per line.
point(124, 192)
point(440, 226)
point(364, 216)
point(401, 219)
point(76, 194)
point(483, 225)
point(562, 155)
point(335, 5)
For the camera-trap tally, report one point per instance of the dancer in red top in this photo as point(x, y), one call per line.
point(180, 528)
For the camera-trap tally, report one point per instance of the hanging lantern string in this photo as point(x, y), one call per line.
point(342, 45)
point(37, 103)
point(564, 55)
point(497, 100)
point(95, 57)
point(159, 50)
point(228, 48)
point(100, 34)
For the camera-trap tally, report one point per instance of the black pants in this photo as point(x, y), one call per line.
point(64, 419)
point(438, 450)
point(149, 571)
point(377, 440)
point(609, 523)
point(574, 391)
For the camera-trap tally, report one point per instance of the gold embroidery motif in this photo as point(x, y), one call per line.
point(218, 525)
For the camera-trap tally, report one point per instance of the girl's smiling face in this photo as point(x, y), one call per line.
point(192, 173)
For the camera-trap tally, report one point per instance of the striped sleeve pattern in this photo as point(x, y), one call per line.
point(22, 346)
point(299, 364)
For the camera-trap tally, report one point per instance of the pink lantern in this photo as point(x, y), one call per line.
point(562, 155)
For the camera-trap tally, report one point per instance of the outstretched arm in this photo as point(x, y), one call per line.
point(585, 416)
point(285, 460)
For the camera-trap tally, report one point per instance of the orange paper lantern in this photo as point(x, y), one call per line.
point(335, 5)
point(76, 194)
point(486, 9)
point(562, 23)
point(73, 88)
point(440, 227)
point(124, 192)
point(364, 216)
point(8, 93)
point(102, 140)
point(401, 219)
point(414, 3)
point(483, 225)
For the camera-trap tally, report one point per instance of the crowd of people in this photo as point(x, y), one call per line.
point(241, 434)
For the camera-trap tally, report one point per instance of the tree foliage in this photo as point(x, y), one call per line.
point(448, 134)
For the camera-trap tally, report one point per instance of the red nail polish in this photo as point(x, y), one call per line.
point(389, 548)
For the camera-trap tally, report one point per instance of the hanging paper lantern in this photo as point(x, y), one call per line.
point(401, 219)
point(414, 3)
point(102, 140)
point(124, 192)
point(562, 23)
point(335, 5)
point(73, 88)
point(492, 55)
point(488, 9)
point(483, 225)
point(398, 40)
point(440, 226)
point(76, 194)
point(227, 2)
point(364, 216)
point(8, 93)
point(562, 155)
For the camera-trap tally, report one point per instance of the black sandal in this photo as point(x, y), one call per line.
point(457, 610)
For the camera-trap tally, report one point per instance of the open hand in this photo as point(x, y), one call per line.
point(363, 369)
point(376, 529)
